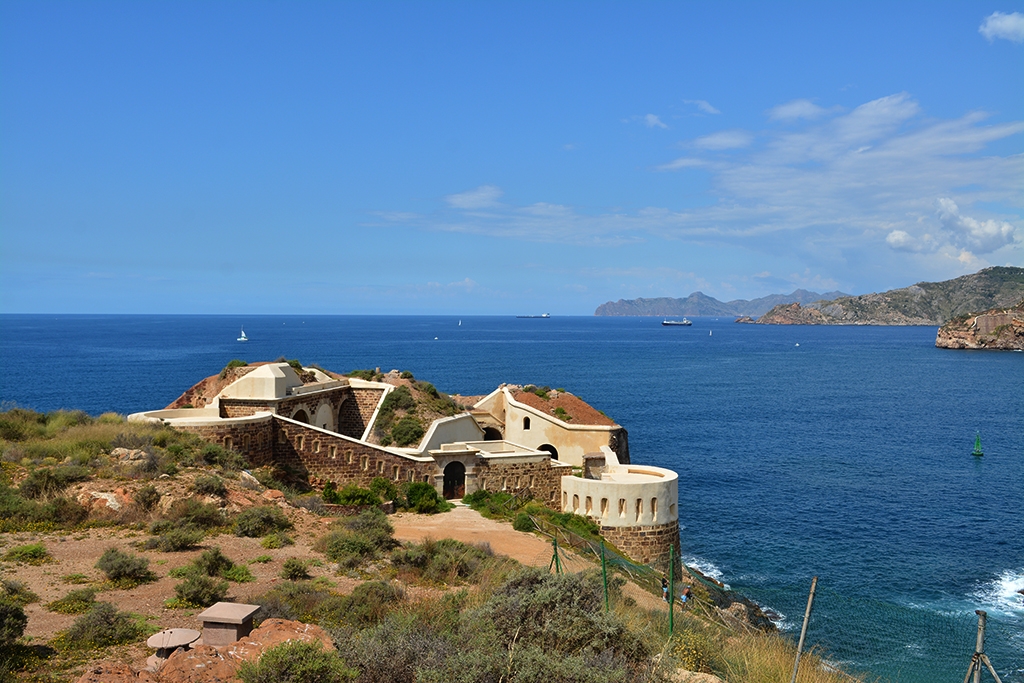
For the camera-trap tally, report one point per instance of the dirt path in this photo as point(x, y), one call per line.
point(468, 526)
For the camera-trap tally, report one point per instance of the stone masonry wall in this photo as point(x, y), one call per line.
point(543, 481)
point(253, 440)
point(646, 544)
point(366, 402)
point(326, 457)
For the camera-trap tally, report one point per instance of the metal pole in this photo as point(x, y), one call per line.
point(604, 575)
point(671, 588)
point(558, 562)
point(803, 631)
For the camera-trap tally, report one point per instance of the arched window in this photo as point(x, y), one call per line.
point(654, 509)
point(526, 423)
point(622, 508)
point(604, 507)
point(639, 508)
point(575, 502)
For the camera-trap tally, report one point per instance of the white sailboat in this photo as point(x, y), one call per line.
point(243, 337)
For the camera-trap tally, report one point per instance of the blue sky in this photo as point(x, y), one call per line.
point(497, 158)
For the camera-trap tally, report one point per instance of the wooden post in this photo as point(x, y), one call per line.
point(980, 657)
point(803, 631)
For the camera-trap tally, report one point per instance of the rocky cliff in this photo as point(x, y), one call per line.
point(997, 328)
point(699, 303)
point(926, 303)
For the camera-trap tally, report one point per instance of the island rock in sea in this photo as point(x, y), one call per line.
point(998, 328)
point(926, 303)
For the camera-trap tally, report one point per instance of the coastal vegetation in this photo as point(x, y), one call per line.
point(432, 610)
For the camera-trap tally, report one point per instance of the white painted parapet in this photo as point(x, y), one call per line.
point(625, 495)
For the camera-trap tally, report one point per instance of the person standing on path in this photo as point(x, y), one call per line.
point(664, 589)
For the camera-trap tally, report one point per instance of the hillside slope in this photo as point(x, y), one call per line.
point(926, 303)
point(699, 303)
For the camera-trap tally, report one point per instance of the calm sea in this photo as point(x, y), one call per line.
point(839, 452)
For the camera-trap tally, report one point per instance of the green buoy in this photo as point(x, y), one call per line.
point(977, 445)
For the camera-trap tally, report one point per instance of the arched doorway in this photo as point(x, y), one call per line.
point(454, 480)
point(301, 416)
point(492, 434)
point(549, 449)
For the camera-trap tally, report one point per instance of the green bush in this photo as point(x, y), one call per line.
point(213, 562)
point(359, 538)
point(191, 512)
point(209, 485)
point(46, 482)
point(233, 363)
point(17, 592)
point(200, 590)
point(407, 431)
point(523, 522)
point(239, 574)
point(405, 374)
point(399, 399)
point(12, 622)
point(278, 539)
point(445, 562)
point(370, 602)
point(33, 553)
point(294, 570)
point(76, 602)
point(297, 662)
point(101, 626)
point(350, 495)
point(147, 497)
point(260, 521)
point(176, 540)
point(383, 488)
point(423, 498)
point(125, 569)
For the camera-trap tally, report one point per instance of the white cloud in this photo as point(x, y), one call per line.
point(483, 197)
point(652, 121)
point(980, 236)
point(1007, 26)
point(703, 105)
point(797, 109)
point(726, 139)
point(681, 162)
point(834, 189)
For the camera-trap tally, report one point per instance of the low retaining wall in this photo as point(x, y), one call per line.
point(646, 544)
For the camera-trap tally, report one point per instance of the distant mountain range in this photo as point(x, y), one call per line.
point(926, 303)
point(699, 303)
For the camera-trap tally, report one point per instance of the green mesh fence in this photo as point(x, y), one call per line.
point(873, 639)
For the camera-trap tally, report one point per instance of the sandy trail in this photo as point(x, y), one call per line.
point(467, 525)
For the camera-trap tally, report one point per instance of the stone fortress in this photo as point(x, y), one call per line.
point(571, 457)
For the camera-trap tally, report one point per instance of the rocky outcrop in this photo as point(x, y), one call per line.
point(926, 303)
point(997, 328)
point(744, 319)
point(207, 664)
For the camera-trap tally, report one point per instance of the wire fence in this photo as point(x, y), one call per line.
point(893, 642)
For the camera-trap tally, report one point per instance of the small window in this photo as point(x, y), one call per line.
point(364, 462)
point(228, 442)
point(395, 473)
point(246, 442)
point(316, 446)
point(575, 503)
point(412, 476)
point(604, 507)
point(672, 510)
point(565, 500)
point(590, 505)
point(351, 457)
point(300, 442)
point(333, 451)
point(504, 483)
point(282, 438)
point(639, 508)
point(380, 467)
point(622, 508)
point(526, 423)
point(533, 481)
point(654, 509)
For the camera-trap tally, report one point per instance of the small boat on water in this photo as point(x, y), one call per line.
point(669, 323)
point(243, 337)
point(543, 315)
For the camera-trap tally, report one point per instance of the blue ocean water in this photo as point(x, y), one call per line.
point(841, 452)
